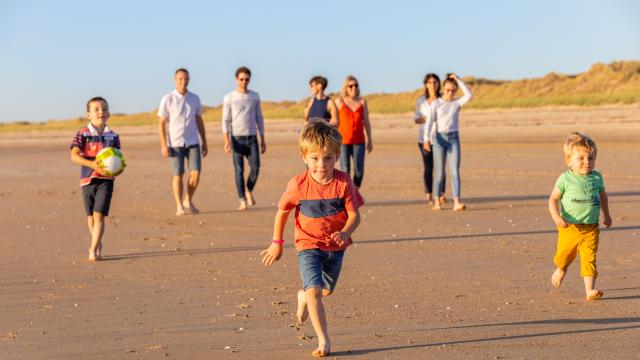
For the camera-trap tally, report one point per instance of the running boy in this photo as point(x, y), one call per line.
point(581, 192)
point(326, 203)
point(97, 188)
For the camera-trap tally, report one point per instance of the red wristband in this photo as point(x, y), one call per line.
point(278, 241)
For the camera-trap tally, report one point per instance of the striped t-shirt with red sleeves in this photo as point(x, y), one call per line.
point(321, 209)
point(90, 143)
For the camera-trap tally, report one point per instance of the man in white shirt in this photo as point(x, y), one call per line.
point(180, 113)
point(242, 121)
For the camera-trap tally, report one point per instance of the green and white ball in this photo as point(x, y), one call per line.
point(111, 160)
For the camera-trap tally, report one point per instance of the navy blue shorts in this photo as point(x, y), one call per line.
point(97, 196)
point(320, 269)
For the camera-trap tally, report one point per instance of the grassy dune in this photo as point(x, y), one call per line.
point(615, 83)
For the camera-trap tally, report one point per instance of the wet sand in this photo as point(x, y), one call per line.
point(417, 284)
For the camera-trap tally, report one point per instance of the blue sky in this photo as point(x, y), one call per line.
point(54, 55)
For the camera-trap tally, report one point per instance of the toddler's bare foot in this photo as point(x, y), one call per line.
point(243, 205)
point(322, 351)
point(189, 205)
point(594, 294)
point(250, 199)
point(459, 207)
point(557, 277)
point(301, 312)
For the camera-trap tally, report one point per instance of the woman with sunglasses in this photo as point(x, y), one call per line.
point(423, 104)
point(354, 121)
point(443, 114)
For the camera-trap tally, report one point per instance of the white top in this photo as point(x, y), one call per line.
point(180, 111)
point(444, 114)
point(422, 110)
point(242, 114)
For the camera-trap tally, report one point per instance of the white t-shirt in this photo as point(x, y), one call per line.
point(180, 111)
point(422, 110)
point(242, 114)
point(444, 114)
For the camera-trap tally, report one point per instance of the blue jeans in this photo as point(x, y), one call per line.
point(245, 146)
point(355, 151)
point(427, 174)
point(447, 147)
point(178, 155)
point(319, 269)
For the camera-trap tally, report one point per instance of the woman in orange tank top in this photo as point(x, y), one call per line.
point(354, 121)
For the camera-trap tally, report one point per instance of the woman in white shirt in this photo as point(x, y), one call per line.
point(443, 114)
point(423, 105)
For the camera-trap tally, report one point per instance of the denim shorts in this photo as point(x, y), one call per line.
point(320, 269)
point(97, 196)
point(177, 156)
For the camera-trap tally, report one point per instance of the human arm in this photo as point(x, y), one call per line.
point(604, 206)
point(76, 157)
point(162, 127)
point(554, 208)
point(260, 123)
point(467, 95)
point(353, 220)
point(419, 117)
point(432, 115)
point(203, 135)
point(274, 251)
point(333, 110)
point(307, 109)
point(367, 125)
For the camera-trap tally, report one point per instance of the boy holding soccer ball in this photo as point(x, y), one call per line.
point(97, 187)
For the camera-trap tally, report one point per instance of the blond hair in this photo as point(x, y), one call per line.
point(320, 136)
point(345, 84)
point(576, 141)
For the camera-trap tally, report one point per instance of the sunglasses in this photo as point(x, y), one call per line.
point(351, 86)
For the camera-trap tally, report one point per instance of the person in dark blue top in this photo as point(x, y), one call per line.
point(320, 106)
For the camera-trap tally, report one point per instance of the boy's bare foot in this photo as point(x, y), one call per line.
point(301, 312)
point(459, 207)
point(179, 212)
point(594, 294)
point(557, 277)
point(322, 351)
point(250, 199)
point(189, 205)
point(243, 205)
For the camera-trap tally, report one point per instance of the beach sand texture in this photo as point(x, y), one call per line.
point(416, 284)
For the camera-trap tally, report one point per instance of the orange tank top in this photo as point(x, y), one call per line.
point(351, 124)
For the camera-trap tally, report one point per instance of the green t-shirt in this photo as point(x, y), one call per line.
point(580, 196)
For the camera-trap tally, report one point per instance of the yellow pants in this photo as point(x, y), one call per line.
point(578, 238)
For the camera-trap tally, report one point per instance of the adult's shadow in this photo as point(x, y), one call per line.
point(634, 320)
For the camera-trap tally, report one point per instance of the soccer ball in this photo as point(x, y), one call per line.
point(111, 160)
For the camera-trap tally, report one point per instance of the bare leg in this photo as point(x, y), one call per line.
point(457, 205)
point(96, 235)
point(319, 321)
point(589, 287)
point(192, 185)
point(301, 312)
point(428, 198)
point(558, 276)
point(437, 205)
point(177, 194)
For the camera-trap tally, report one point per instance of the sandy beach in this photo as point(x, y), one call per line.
point(416, 284)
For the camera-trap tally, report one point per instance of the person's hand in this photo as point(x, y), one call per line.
point(227, 148)
point(369, 146)
point(453, 76)
point(205, 149)
point(426, 146)
point(165, 151)
point(562, 223)
point(607, 221)
point(271, 254)
point(339, 237)
point(97, 167)
point(263, 147)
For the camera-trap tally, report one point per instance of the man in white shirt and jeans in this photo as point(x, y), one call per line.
point(180, 113)
point(242, 121)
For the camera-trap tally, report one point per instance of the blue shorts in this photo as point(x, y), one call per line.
point(177, 156)
point(320, 269)
point(97, 196)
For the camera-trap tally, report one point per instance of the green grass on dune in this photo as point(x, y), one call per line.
point(615, 83)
